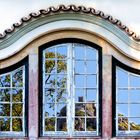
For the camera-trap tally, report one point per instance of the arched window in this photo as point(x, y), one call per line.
point(70, 90)
point(127, 99)
point(13, 115)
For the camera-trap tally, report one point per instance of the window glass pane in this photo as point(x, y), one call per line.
point(79, 67)
point(17, 109)
point(50, 53)
point(79, 124)
point(4, 109)
point(134, 95)
point(17, 95)
point(91, 67)
point(79, 80)
point(17, 124)
point(134, 110)
point(91, 124)
point(62, 51)
point(61, 95)
point(50, 95)
point(61, 124)
point(123, 123)
point(91, 81)
point(134, 81)
point(122, 96)
point(5, 80)
point(50, 81)
point(79, 53)
point(61, 110)
point(50, 66)
point(134, 123)
point(49, 110)
point(90, 109)
point(91, 54)
point(122, 110)
point(17, 80)
point(5, 95)
point(79, 95)
point(79, 109)
point(4, 124)
point(50, 124)
point(91, 95)
point(122, 78)
point(61, 81)
point(61, 67)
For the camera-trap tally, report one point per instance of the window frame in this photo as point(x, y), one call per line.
point(61, 41)
point(9, 69)
point(116, 63)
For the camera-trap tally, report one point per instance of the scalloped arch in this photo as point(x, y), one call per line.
point(69, 17)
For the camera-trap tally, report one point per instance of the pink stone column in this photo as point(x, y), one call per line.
point(107, 97)
point(33, 97)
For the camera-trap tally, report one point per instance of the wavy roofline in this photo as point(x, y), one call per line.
point(70, 8)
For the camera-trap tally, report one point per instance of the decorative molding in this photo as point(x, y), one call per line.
point(66, 9)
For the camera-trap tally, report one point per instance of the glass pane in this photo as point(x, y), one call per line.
point(90, 109)
point(17, 124)
point(79, 95)
point(17, 79)
point(5, 80)
point(79, 67)
point(50, 66)
point(79, 80)
point(80, 55)
point(91, 81)
point(61, 110)
point(122, 110)
point(61, 67)
point(62, 51)
point(50, 81)
point(50, 95)
point(50, 110)
point(17, 110)
point(134, 123)
point(4, 95)
point(134, 95)
point(4, 124)
point(91, 95)
point(134, 110)
point(50, 53)
point(122, 124)
point(50, 124)
point(122, 78)
point(91, 67)
point(134, 81)
point(61, 124)
point(4, 109)
point(79, 109)
point(91, 54)
point(91, 124)
point(61, 81)
point(17, 95)
point(79, 124)
point(122, 96)
point(61, 95)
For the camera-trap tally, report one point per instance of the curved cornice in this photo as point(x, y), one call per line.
point(70, 8)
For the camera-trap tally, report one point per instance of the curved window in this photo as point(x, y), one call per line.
point(12, 102)
point(127, 100)
point(70, 90)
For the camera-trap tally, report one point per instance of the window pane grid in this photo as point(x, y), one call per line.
point(128, 120)
point(16, 83)
point(72, 76)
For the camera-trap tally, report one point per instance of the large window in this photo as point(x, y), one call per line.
point(12, 101)
point(127, 100)
point(70, 90)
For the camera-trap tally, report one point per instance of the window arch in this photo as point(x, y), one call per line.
point(126, 100)
point(13, 100)
point(71, 85)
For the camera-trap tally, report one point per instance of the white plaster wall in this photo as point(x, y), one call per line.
point(126, 10)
